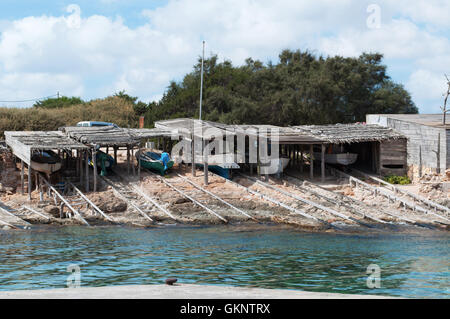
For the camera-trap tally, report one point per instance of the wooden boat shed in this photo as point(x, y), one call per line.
point(24, 144)
point(381, 150)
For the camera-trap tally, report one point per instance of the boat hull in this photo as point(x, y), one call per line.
point(221, 171)
point(342, 158)
point(153, 164)
point(156, 166)
point(46, 168)
point(277, 166)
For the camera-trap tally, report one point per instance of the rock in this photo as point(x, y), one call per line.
point(180, 200)
point(52, 210)
point(171, 281)
point(115, 205)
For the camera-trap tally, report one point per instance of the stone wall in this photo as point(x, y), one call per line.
point(427, 146)
point(9, 175)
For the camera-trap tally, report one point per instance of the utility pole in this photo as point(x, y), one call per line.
point(444, 108)
point(57, 94)
point(201, 82)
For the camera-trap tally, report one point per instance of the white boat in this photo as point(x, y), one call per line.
point(46, 162)
point(277, 165)
point(338, 158)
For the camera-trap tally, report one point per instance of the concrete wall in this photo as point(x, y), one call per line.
point(422, 143)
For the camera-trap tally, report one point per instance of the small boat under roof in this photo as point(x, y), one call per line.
point(338, 158)
point(154, 161)
point(46, 162)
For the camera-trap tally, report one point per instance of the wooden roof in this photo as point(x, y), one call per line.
point(101, 135)
point(23, 143)
point(349, 133)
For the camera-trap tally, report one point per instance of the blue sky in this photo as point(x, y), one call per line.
point(94, 48)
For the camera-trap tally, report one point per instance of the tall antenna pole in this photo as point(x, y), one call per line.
point(201, 82)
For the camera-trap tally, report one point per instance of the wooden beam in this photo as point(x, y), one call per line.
point(87, 171)
point(217, 197)
point(322, 163)
point(205, 164)
point(90, 202)
point(22, 177)
point(29, 181)
point(128, 160)
point(193, 156)
point(94, 161)
point(65, 202)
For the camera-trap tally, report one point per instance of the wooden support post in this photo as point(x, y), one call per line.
point(77, 162)
point(29, 181)
point(139, 165)
point(128, 160)
point(133, 166)
point(22, 178)
point(301, 159)
point(41, 193)
point(193, 156)
point(36, 182)
point(205, 163)
point(94, 161)
point(80, 160)
point(322, 163)
point(87, 171)
point(115, 155)
point(311, 162)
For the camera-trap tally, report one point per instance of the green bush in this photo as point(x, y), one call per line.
point(401, 180)
point(111, 109)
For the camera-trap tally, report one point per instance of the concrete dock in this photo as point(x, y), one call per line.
point(177, 291)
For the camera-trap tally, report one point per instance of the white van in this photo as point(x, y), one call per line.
point(95, 123)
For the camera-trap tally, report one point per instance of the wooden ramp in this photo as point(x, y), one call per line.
point(9, 218)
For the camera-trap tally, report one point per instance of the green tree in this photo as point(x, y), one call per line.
point(53, 103)
point(301, 88)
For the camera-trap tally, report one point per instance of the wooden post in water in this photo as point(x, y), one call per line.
point(311, 161)
point(22, 178)
point(322, 163)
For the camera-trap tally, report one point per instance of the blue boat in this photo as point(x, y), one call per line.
point(221, 165)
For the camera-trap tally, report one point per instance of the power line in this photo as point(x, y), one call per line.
point(31, 100)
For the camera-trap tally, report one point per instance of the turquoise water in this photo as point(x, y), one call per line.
point(412, 265)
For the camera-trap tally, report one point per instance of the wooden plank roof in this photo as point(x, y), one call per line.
point(349, 133)
point(23, 143)
point(101, 135)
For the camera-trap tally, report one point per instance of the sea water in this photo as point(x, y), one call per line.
point(410, 264)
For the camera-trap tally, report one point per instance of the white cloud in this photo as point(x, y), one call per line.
point(97, 55)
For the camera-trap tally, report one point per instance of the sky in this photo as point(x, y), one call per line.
point(95, 48)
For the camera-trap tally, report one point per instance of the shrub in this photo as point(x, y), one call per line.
point(394, 179)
